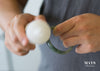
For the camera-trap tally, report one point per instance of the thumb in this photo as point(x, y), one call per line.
point(40, 17)
point(65, 26)
point(18, 25)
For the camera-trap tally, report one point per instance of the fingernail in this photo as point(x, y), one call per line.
point(32, 48)
point(55, 31)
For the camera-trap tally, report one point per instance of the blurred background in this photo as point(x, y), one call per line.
point(12, 62)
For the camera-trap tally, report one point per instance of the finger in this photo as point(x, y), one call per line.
point(19, 24)
point(31, 46)
point(64, 27)
point(71, 33)
point(20, 48)
point(17, 46)
point(14, 39)
point(20, 33)
point(13, 35)
point(11, 48)
point(83, 49)
point(40, 17)
point(17, 53)
point(28, 17)
point(72, 42)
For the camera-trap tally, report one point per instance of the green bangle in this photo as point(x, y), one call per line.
point(51, 46)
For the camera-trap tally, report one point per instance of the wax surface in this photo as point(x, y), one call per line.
point(38, 32)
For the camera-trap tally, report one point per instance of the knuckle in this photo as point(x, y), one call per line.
point(83, 28)
point(18, 50)
point(79, 18)
point(86, 37)
point(41, 16)
point(14, 39)
point(6, 43)
point(9, 25)
point(17, 17)
point(15, 25)
point(90, 47)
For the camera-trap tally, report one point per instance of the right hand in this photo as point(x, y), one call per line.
point(15, 38)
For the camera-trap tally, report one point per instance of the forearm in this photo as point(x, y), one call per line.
point(8, 9)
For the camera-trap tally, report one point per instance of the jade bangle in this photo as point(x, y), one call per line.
point(52, 47)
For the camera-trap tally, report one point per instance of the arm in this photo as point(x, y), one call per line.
point(8, 9)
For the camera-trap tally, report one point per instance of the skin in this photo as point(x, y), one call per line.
point(82, 30)
point(13, 22)
point(15, 37)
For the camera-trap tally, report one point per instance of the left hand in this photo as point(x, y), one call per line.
point(82, 30)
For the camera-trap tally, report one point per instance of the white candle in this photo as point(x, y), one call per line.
point(38, 32)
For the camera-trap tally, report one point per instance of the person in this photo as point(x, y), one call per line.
point(77, 23)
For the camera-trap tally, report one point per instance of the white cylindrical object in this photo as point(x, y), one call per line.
point(38, 32)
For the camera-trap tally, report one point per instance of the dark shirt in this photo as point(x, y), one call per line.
point(57, 11)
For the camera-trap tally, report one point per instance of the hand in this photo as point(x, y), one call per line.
point(82, 30)
point(15, 37)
